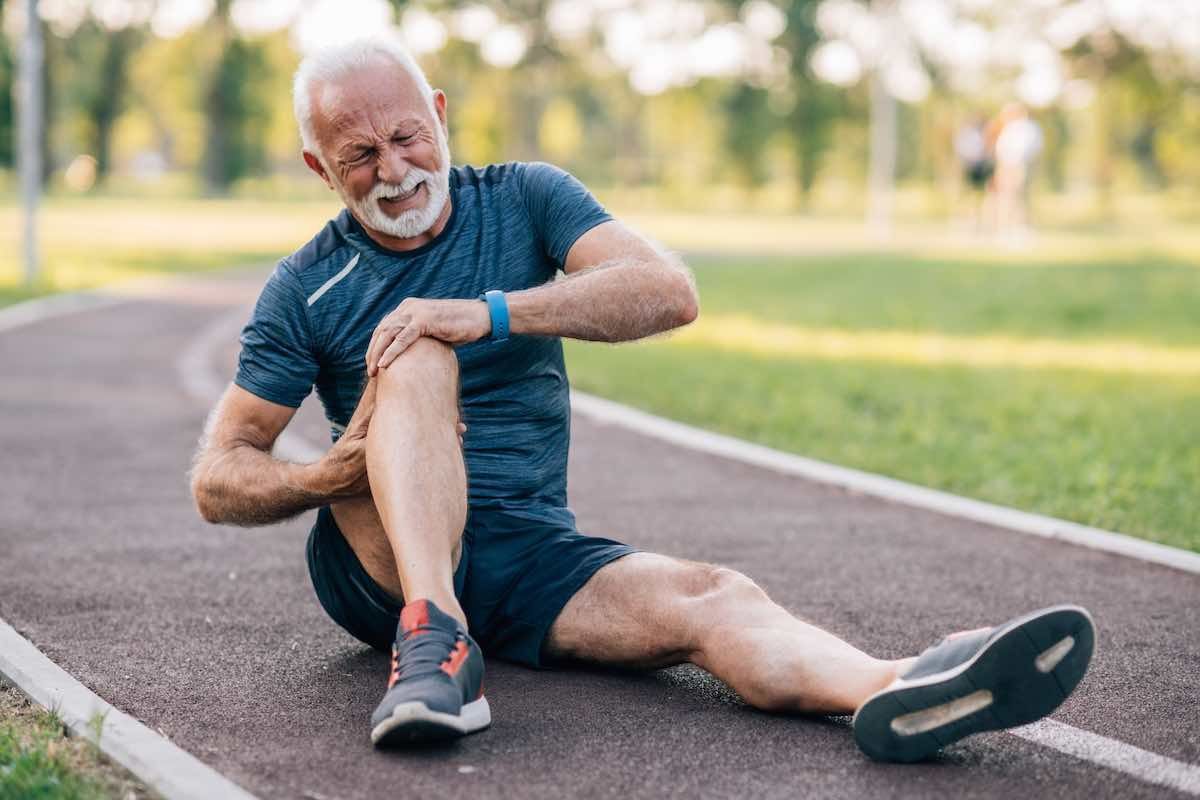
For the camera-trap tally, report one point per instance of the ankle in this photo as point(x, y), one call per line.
point(883, 675)
point(447, 604)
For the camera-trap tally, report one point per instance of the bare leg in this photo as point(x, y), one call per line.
point(649, 610)
point(408, 535)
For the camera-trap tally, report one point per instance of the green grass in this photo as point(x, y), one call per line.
point(87, 243)
point(1062, 379)
point(1103, 450)
point(1110, 444)
point(1147, 298)
point(37, 762)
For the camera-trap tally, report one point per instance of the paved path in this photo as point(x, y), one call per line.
point(212, 635)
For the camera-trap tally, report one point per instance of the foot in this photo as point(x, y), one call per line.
point(435, 692)
point(981, 680)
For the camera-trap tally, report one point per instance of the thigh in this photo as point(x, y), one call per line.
point(643, 610)
point(359, 522)
point(524, 564)
point(361, 526)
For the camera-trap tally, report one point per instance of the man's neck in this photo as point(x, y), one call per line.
point(401, 245)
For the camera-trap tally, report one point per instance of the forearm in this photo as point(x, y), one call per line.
point(243, 485)
point(619, 300)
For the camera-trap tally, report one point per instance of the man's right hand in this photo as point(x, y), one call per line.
point(344, 466)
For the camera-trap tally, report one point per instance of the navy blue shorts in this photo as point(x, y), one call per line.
point(519, 567)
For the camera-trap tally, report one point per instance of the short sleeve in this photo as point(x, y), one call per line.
point(277, 362)
point(560, 207)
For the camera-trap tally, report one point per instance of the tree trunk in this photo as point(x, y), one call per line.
point(882, 169)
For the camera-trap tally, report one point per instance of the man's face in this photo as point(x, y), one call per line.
point(384, 149)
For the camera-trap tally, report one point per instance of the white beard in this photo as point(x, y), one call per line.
point(413, 221)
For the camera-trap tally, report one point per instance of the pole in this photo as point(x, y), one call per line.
point(29, 107)
point(881, 170)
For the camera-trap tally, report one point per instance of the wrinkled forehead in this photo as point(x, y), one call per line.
point(373, 98)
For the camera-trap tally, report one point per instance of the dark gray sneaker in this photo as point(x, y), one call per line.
point(435, 691)
point(981, 680)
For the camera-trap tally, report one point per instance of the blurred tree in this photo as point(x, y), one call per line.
point(561, 132)
point(8, 75)
point(749, 126)
point(97, 89)
point(52, 60)
point(1058, 141)
point(237, 113)
point(816, 105)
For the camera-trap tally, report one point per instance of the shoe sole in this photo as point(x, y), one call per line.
point(1021, 675)
point(414, 723)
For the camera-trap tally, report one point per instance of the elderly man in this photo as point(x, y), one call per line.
point(430, 301)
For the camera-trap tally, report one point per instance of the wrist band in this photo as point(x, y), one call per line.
point(498, 309)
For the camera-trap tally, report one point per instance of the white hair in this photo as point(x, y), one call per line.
point(335, 61)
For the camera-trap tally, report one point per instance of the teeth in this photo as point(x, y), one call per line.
point(403, 195)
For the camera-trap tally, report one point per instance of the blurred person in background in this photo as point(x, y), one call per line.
point(428, 315)
point(974, 153)
point(1018, 143)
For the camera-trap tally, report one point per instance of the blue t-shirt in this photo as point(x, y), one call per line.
point(510, 227)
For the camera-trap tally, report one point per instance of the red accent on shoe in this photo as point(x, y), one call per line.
point(414, 615)
point(394, 674)
point(457, 656)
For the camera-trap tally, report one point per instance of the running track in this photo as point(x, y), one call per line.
point(212, 635)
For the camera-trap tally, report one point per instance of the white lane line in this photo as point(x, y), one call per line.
point(1100, 750)
point(1125, 758)
point(167, 769)
point(1096, 749)
point(37, 309)
point(199, 378)
point(677, 433)
point(608, 412)
point(31, 311)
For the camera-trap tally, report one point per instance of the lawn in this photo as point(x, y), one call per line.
point(38, 761)
point(1055, 385)
point(88, 243)
point(1061, 379)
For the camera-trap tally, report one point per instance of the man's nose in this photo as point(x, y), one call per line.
point(392, 164)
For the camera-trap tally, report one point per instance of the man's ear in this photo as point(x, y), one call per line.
point(439, 105)
point(316, 166)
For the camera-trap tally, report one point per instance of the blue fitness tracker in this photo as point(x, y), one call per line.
point(498, 309)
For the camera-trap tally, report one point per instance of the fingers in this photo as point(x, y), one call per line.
point(380, 340)
point(366, 403)
point(398, 345)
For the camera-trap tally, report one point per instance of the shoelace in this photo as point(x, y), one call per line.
point(422, 652)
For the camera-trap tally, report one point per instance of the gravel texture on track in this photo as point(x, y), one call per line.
point(213, 636)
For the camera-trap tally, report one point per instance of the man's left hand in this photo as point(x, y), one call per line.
point(451, 321)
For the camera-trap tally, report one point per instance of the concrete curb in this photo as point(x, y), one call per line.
point(149, 753)
point(152, 758)
point(172, 772)
point(606, 411)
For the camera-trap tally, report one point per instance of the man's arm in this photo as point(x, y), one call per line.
point(236, 480)
point(618, 288)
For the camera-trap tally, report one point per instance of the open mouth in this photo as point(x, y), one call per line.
point(400, 197)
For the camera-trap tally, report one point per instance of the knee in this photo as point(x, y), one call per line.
point(426, 362)
point(711, 598)
point(721, 587)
